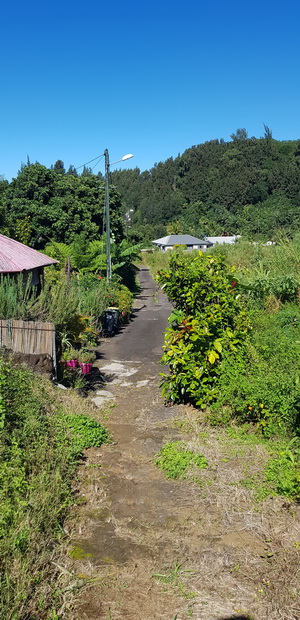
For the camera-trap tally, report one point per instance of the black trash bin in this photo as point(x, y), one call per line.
point(111, 320)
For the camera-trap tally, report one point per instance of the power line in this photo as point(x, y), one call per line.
point(97, 162)
point(99, 157)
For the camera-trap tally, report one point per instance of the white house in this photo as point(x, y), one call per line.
point(191, 243)
point(226, 239)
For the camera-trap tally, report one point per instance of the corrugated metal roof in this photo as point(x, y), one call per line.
point(16, 257)
point(180, 240)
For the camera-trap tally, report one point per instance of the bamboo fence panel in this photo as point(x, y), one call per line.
point(28, 337)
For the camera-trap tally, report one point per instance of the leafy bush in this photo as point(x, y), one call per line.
point(123, 301)
point(208, 322)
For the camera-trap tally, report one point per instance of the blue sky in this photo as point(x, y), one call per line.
point(149, 79)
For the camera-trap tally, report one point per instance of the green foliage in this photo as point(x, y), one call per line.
point(266, 263)
point(23, 230)
point(86, 356)
point(281, 476)
point(90, 257)
point(15, 297)
point(85, 432)
point(264, 387)
point(69, 354)
point(208, 322)
point(60, 206)
point(156, 260)
point(123, 300)
point(175, 459)
point(123, 257)
point(40, 444)
point(283, 471)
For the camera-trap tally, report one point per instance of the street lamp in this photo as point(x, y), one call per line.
point(107, 215)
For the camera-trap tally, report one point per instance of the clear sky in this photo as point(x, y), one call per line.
point(145, 78)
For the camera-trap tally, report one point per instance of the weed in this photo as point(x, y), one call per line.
point(174, 578)
point(176, 460)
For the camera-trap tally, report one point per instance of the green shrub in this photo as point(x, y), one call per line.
point(208, 322)
point(285, 288)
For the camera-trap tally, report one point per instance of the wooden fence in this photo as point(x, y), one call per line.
point(28, 337)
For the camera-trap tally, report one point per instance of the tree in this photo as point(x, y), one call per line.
point(268, 133)
point(240, 134)
point(72, 171)
point(59, 206)
point(59, 167)
point(175, 228)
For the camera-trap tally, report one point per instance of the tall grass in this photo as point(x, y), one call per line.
point(156, 260)
point(15, 297)
point(59, 301)
point(249, 259)
point(266, 271)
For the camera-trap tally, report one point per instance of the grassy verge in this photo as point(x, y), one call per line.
point(251, 530)
point(41, 441)
point(156, 260)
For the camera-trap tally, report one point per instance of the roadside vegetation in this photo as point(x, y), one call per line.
point(42, 440)
point(232, 349)
point(232, 353)
point(74, 295)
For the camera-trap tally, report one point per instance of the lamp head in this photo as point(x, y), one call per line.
point(127, 157)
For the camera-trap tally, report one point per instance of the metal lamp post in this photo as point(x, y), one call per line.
point(107, 214)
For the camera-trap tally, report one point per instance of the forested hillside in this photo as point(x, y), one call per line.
point(247, 185)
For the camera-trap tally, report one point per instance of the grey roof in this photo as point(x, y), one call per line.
point(180, 240)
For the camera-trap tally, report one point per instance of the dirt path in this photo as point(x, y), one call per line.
point(149, 548)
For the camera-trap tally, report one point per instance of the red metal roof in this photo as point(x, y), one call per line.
point(16, 257)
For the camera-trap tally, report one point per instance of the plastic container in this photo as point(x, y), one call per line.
point(72, 363)
point(86, 367)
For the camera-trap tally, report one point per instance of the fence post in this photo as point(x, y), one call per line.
point(54, 353)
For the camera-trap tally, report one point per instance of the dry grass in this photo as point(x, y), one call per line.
point(253, 558)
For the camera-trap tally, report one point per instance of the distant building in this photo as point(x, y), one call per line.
point(226, 239)
point(191, 243)
point(15, 258)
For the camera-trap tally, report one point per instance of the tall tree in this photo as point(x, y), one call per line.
point(59, 167)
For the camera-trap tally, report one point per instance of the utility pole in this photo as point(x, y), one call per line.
point(107, 217)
